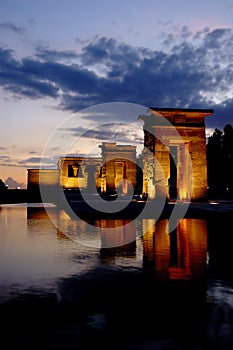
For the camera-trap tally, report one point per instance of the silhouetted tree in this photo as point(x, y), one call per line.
point(220, 162)
point(228, 157)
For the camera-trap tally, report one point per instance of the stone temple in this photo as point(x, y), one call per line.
point(174, 153)
point(174, 160)
point(105, 174)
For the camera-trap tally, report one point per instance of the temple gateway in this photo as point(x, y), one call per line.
point(174, 153)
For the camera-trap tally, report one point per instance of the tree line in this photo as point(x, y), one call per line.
point(220, 163)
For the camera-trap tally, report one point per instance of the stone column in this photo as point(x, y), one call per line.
point(162, 169)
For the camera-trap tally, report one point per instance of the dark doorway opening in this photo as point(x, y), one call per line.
point(172, 181)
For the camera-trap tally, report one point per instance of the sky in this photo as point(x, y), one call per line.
point(70, 66)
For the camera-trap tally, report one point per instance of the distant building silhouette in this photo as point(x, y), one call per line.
point(220, 163)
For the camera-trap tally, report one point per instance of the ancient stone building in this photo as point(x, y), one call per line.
point(175, 153)
point(46, 177)
point(119, 165)
point(79, 172)
point(104, 174)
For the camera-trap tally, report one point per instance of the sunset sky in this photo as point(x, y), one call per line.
point(61, 57)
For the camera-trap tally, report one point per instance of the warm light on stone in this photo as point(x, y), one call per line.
point(119, 165)
point(185, 136)
point(46, 177)
point(110, 172)
point(174, 160)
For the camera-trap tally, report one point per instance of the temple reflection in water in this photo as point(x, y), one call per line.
point(178, 255)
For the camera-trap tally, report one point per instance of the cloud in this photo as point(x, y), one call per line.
point(119, 132)
point(19, 80)
point(195, 72)
point(176, 35)
point(32, 161)
point(217, 38)
point(114, 55)
point(8, 161)
point(47, 54)
point(11, 27)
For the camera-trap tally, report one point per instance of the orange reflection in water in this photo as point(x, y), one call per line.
point(180, 254)
point(100, 233)
point(115, 233)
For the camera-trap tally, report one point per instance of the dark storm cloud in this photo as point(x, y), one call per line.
point(72, 78)
point(187, 76)
point(196, 72)
point(113, 54)
point(11, 27)
point(17, 79)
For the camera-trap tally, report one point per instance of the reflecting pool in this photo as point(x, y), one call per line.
point(162, 290)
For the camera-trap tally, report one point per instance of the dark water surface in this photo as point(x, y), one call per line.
point(161, 291)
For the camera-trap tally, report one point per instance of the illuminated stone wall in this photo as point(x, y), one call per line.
point(75, 171)
point(119, 165)
point(111, 172)
point(46, 177)
point(184, 131)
